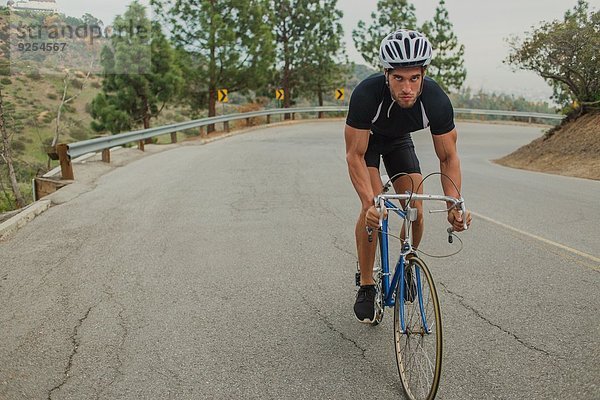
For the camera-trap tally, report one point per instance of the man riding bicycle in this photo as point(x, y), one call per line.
point(384, 110)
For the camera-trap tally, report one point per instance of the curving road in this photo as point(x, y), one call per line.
point(226, 271)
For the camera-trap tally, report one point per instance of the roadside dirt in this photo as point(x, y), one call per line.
point(573, 150)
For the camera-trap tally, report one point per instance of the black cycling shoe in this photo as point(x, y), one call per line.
point(364, 307)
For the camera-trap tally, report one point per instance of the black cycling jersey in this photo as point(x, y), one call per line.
point(372, 107)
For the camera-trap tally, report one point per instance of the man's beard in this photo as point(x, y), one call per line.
point(404, 103)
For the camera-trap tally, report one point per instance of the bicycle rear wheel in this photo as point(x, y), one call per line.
point(419, 344)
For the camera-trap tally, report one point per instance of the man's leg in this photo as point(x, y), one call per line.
point(365, 249)
point(364, 306)
point(402, 185)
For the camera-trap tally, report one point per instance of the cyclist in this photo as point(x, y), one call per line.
point(384, 110)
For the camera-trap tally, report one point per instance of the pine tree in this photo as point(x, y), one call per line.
point(391, 15)
point(140, 75)
point(324, 63)
point(447, 66)
point(292, 20)
point(229, 45)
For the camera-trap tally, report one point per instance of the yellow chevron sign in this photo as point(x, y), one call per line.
point(339, 94)
point(279, 94)
point(222, 95)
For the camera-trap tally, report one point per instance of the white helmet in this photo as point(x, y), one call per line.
point(405, 48)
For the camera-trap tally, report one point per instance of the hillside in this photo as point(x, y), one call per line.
point(573, 149)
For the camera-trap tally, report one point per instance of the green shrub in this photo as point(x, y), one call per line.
point(77, 84)
point(6, 81)
point(48, 118)
point(4, 69)
point(34, 74)
point(18, 146)
point(78, 133)
point(192, 132)
point(67, 108)
point(6, 204)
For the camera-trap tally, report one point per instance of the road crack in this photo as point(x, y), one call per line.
point(118, 349)
point(463, 303)
point(75, 341)
point(332, 328)
point(340, 248)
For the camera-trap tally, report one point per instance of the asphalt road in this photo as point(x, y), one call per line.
point(226, 271)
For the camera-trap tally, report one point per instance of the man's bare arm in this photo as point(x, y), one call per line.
point(357, 142)
point(445, 149)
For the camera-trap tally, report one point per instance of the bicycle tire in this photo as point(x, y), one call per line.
point(378, 278)
point(419, 373)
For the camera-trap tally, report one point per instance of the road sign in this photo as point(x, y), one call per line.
point(222, 95)
point(339, 94)
point(279, 94)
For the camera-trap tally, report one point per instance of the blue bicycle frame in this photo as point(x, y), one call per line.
point(387, 286)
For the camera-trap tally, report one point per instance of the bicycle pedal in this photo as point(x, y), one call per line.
point(357, 278)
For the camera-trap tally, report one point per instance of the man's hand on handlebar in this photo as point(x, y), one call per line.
point(456, 219)
point(373, 216)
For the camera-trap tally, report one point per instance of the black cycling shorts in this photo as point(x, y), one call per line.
point(398, 154)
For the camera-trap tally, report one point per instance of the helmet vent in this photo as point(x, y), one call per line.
point(407, 47)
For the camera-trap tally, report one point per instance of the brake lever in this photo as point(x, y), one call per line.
point(450, 238)
point(381, 210)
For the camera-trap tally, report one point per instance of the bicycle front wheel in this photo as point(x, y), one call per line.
point(418, 332)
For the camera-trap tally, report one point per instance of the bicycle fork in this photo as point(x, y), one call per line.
point(402, 265)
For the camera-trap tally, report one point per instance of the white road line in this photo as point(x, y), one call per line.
point(541, 239)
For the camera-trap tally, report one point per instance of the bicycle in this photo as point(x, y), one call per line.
point(417, 317)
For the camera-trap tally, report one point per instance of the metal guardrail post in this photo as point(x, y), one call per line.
point(66, 168)
point(268, 119)
point(226, 126)
point(173, 137)
point(141, 145)
point(106, 155)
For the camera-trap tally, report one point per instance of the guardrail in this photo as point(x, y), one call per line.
point(65, 152)
point(523, 114)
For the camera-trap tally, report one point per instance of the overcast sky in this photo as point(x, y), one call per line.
point(481, 25)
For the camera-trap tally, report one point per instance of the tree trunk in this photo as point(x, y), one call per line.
point(285, 78)
point(286, 82)
point(64, 101)
point(212, 71)
point(58, 116)
point(320, 95)
point(6, 156)
point(146, 119)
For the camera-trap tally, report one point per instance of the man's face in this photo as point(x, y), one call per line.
point(405, 85)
